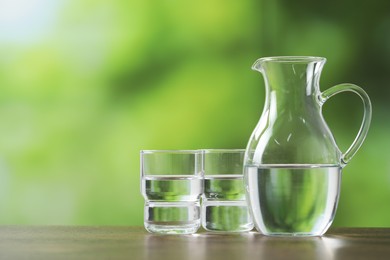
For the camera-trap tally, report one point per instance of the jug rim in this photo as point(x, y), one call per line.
point(293, 58)
point(286, 59)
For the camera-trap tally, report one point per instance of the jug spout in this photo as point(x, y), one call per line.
point(258, 65)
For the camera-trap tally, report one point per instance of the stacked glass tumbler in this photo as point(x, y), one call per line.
point(184, 189)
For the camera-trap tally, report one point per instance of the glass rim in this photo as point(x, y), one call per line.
point(223, 150)
point(170, 151)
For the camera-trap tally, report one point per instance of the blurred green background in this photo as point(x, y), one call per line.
point(85, 85)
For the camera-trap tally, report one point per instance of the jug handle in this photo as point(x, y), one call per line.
point(324, 96)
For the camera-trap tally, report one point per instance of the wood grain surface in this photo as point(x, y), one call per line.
point(74, 242)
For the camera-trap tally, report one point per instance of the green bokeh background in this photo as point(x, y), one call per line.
point(85, 85)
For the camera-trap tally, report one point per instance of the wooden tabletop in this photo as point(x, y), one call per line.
point(68, 242)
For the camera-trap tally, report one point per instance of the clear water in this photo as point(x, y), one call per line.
point(293, 200)
point(224, 207)
point(224, 187)
point(172, 188)
point(172, 203)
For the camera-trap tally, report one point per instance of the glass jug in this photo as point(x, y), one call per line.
point(292, 163)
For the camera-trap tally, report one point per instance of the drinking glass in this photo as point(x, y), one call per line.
point(171, 184)
point(224, 206)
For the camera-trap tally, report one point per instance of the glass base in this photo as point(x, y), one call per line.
point(293, 234)
point(242, 228)
point(312, 233)
point(167, 228)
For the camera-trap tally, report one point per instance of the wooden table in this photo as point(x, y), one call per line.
point(68, 242)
